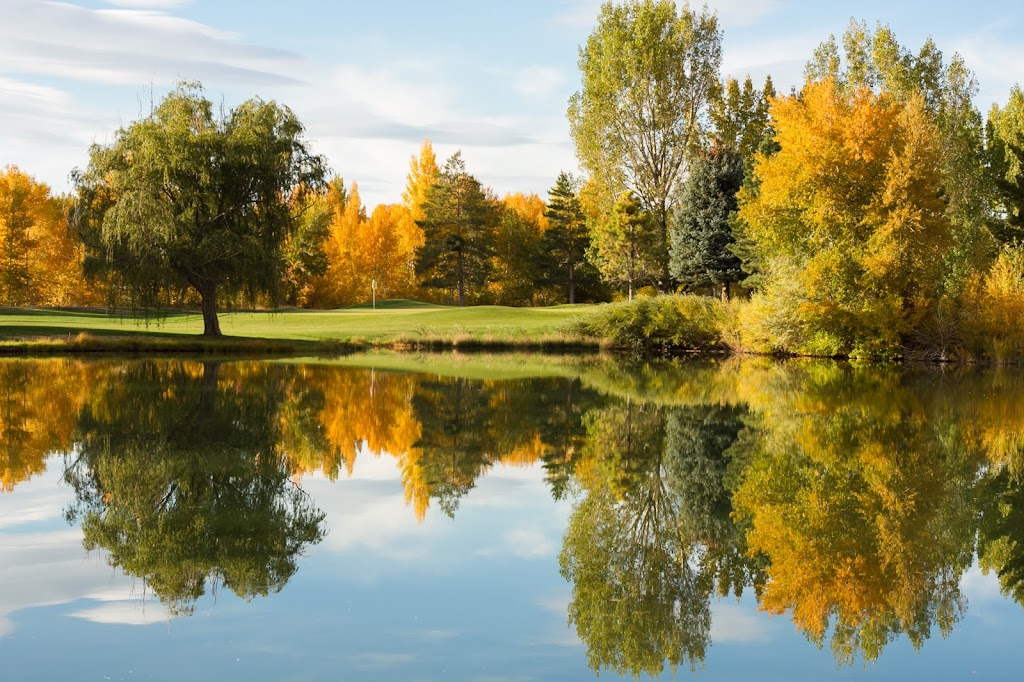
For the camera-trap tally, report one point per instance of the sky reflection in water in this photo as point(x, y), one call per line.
point(328, 521)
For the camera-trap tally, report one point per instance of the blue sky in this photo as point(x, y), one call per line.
point(370, 80)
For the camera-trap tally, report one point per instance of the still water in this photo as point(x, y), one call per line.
point(444, 517)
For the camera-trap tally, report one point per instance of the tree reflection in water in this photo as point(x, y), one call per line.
point(852, 499)
point(179, 478)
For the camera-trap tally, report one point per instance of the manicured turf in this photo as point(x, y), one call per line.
point(406, 322)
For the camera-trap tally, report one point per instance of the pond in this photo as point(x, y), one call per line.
point(478, 517)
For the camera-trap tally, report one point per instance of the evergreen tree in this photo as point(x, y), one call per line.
point(700, 235)
point(458, 230)
point(564, 245)
point(626, 248)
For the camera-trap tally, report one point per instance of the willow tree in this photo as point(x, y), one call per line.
point(188, 200)
point(648, 73)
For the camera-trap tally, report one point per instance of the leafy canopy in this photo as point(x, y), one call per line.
point(185, 199)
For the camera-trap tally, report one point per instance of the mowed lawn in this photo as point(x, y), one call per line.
point(391, 321)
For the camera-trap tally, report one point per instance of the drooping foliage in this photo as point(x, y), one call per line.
point(184, 199)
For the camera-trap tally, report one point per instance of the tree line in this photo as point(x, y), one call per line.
point(873, 211)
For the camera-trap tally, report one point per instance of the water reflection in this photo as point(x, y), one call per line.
point(180, 478)
point(851, 499)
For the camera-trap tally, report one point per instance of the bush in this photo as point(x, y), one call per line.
point(994, 327)
point(662, 323)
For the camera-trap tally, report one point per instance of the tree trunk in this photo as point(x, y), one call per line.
point(666, 275)
point(725, 292)
point(462, 281)
point(572, 286)
point(211, 325)
point(630, 289)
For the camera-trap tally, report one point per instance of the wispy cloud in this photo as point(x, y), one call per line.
point(149, 4)
point(731, 13)
point(538, 81)
point(130, 46)
point(735, 624)
point(137, 612)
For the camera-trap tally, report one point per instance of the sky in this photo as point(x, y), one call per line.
point(371, 80)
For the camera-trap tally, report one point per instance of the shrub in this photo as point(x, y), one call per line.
point(995, 327)
point(662, 323)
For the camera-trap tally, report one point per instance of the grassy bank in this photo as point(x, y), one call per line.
point(394, 324)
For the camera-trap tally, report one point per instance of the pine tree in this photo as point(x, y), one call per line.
point(458, 230)
point(699, 234)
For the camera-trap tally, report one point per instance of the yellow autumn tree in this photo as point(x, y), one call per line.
point(387, 248)
point(343, 283)
point(849, 220)
point(40, 259)
point(40, 402)
point(423, 171)
point(516, 249)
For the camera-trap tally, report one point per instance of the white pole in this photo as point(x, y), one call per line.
point(373, 287)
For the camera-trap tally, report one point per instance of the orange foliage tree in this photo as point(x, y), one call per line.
point(40, 258)
point(850, 220)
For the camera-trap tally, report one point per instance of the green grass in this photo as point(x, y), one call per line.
point(402, 324)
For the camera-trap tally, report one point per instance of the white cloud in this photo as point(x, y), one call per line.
point(736, 13)
point(130, 46)
point(538, 81)
point(149, 4)
point(136, 612)
point(48, 568)
point(731, 623)
point(731, 13)
point(981, 587)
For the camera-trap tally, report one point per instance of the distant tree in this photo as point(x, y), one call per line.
point(423, 172)
point(700, 233)
point(517, 242)
point(184, 199)
point(387, 241)
point(626, 247)
point(648, 72)
point(564, 245)
point(739, 116)
point(458, 232)
point(341, 284)
point(23, 202)
point(304, 250)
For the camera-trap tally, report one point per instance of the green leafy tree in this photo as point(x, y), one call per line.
point(739, 117)
point(648, 72)
point(186, 200)
point(626, 247)
point(1006, 161)
point(700, 234)
point(304, 252)
point(458, 230)
point(180, 479)
point(637, 602)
